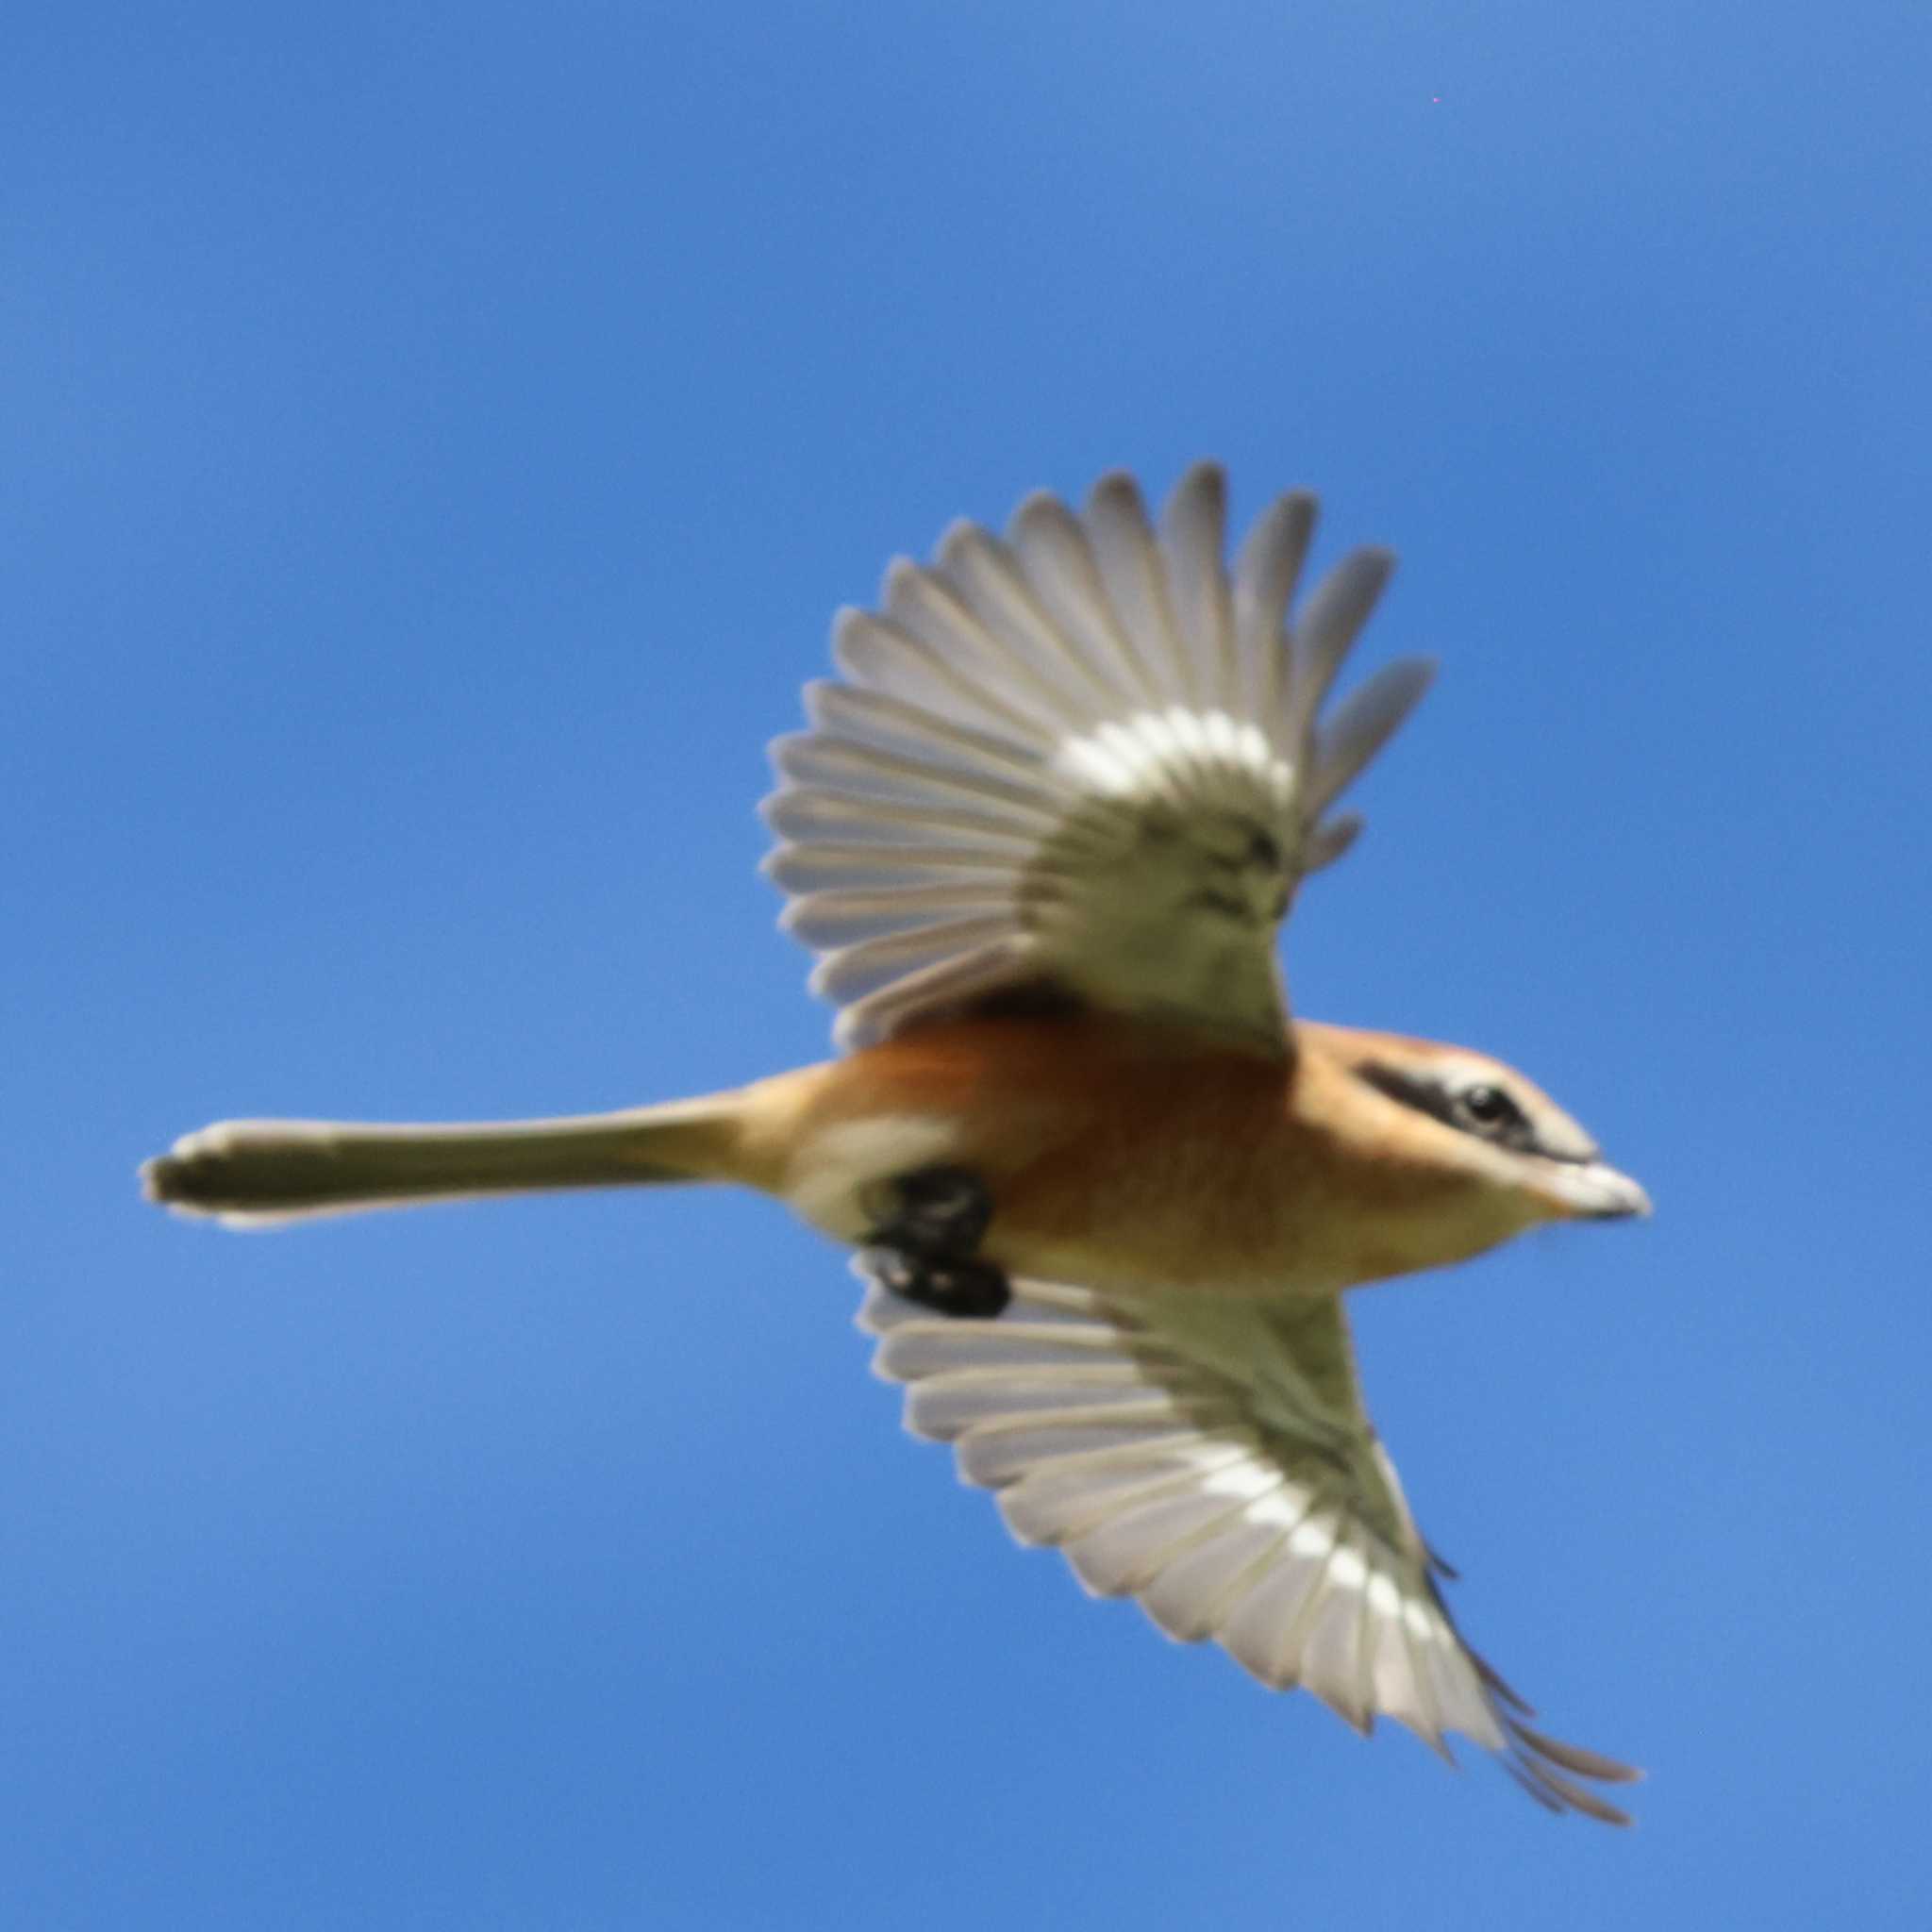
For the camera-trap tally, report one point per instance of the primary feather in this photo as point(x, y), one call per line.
point(1211, 1457)
point(1081, 757)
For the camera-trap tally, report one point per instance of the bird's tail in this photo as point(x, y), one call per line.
point(256, 1174)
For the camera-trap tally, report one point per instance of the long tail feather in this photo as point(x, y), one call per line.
point(257, 1173)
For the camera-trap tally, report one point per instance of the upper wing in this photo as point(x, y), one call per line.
point(1211, 1457)
point(1080, 758)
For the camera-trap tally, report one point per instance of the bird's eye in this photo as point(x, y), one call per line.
point(1490, 1106)
point(1483, 1109)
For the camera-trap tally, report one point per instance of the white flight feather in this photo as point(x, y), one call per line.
point(1085, 754)
point(1180, 1449)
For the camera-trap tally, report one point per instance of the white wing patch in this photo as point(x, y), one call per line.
point(1209, 1457)
point(1082, 755)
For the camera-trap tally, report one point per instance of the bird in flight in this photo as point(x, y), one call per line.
point(1106, 1191)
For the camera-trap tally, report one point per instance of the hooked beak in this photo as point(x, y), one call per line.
point(1592, 1190)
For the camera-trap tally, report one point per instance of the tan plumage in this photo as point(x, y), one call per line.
point(1042, 835)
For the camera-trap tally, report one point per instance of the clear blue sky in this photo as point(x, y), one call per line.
point(435, 439)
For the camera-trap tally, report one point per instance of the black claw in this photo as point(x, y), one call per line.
point(930, 1221)
point(973, 1289)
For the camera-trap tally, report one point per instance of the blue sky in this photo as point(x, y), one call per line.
point(436, 439)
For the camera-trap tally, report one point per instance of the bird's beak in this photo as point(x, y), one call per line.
point(1592, 1190)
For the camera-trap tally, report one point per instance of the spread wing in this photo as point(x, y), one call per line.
point(1080, 760)
point(1210, 1458)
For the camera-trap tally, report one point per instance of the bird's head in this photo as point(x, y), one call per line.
point(1461, 1150)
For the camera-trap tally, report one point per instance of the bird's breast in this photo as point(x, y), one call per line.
point(1116, 1155)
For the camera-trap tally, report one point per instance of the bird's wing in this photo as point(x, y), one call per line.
point(1211, 1457)
point(1082, 761)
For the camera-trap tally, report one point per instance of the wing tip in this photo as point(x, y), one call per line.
point(1117, 489)
point(1205, 477)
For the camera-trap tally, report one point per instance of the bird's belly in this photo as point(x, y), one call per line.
point(1159, 1209)
point(1114, 1172)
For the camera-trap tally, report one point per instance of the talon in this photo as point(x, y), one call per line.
point(895, 1272)
point(929, 1222)
point(972, 1289)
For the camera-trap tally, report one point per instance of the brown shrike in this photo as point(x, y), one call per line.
point(1106, 1192)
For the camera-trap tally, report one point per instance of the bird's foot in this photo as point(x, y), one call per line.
point(974, 1289)
point(930, 1222)
point(941, 1212)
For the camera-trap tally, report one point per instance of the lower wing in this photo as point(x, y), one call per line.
point(1209, 1456)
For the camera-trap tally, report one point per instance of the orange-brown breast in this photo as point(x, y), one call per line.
point(1124, 1154)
